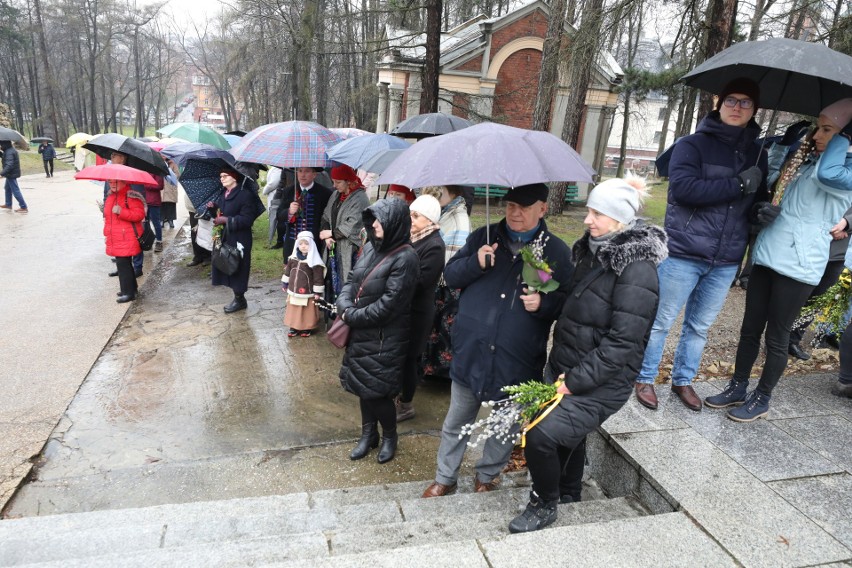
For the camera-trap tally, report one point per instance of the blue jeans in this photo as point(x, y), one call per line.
point(702, 288)
point(156, 220)
point(12, 188)
point(138, 261)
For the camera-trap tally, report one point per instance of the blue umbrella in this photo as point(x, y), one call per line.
point(200, 180)
point(232, 139)
point(357, 151)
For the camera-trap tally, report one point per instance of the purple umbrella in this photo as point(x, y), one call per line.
point(292, 144)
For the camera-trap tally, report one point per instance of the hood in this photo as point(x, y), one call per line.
point(5, 144)
point(736, 136)
point(642, 242)
point(394, 216)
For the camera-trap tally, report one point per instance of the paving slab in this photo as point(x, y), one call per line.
point(752, 522)
point(826, 499)
point(829, 436)
point(464, 554)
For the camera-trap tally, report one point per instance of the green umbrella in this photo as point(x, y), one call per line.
point(194, 132)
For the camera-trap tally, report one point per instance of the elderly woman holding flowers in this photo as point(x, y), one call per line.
point(790, 255)
point(598, 344)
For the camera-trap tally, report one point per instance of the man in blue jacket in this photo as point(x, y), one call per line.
point(48, 154)
point(714, 176)
point(500, 332)
point(11, 170)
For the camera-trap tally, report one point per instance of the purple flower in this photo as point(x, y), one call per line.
point(544, 276)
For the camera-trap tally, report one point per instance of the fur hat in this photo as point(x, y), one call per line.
point(526, 195)
point(840, 112)
point(427, 206)
point(619, 199)
point(743, 86)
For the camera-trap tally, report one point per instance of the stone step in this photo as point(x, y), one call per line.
point(433, 525)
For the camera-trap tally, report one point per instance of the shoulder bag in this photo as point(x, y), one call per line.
point(226, 258)
point(146, 239)
point(338, 333)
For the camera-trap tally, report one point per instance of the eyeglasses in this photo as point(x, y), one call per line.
point(745, 104)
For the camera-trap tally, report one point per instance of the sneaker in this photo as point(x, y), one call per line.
point(755, 406)
point(158, 246)
point(733, 395)
point(7, 207)
point(21, 210)
point(842, 389)
point(306, 333)
point(538, 514)
point(293, 333)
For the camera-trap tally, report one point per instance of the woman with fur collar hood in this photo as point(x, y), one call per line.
point(599, 342)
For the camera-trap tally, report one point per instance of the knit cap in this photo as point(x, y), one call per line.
point(427, 206)
point(840, 112)
point(617, 198)
point(743, 86)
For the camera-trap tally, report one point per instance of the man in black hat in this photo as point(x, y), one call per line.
point(500, 333)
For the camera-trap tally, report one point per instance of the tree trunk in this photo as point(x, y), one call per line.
point(625, 125)
point(549, 77)
point(432, 66)
point(720, 27)
point(53, 115)
point(321, 66)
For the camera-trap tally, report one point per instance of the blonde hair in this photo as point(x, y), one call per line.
point(433, 190)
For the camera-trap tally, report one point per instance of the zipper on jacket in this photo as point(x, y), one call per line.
point(691, 215)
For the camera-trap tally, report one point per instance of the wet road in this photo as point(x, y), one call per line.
point(188, 403)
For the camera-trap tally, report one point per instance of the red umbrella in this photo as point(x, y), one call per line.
point(117, 172)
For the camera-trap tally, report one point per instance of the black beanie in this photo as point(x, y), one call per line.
point(743, 86)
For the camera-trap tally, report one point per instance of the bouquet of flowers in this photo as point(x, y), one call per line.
point(537, 273)
point(827, 310)
point(527, 405)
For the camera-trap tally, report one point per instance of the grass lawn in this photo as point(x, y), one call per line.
point(31, 163)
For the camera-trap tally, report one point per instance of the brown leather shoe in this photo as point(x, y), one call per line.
point(646, 395)
point(479, 487)
point(687, 394)
point(439, 490)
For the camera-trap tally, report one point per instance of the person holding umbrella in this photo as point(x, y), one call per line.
point(714, 176)
point(11, 170)
point(301, 208)
point(790, 255)
point(48, 154)
point(342, 220)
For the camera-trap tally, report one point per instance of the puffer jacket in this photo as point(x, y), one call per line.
point(707, 217)
point(600, 337)
point(380, 319)
point(121, 240)
point(47, 152)
point(797, 244)
point(496, 341)
point(11, 162)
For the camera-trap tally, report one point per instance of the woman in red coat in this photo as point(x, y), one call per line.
point(124, 208)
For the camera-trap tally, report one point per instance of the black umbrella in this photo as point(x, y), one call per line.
point(793, 76)
point(13, 136)
point(139, 155)
point(431, 124)
point(42, 139)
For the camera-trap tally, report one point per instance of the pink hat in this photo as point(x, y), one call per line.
point(840, 113)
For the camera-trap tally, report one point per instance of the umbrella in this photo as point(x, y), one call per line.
point(77, 138)
point(139, 155)
point(117, 172)
point(40, 139)
point(200, 176)
point(194, 132)
point(793, 76)
point(488, 154)
point(237, 133)
point(430, 124)
point(232, 139)
point(148, 139)
point(380, 162)
point(292, 144)
point(12, 136)
point(347, 133)
point(355, 152)
point(178, 152)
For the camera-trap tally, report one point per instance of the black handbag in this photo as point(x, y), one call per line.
point(226, 258)
point(146, 239)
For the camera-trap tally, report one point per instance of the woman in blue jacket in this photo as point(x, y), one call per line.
point(790, 255)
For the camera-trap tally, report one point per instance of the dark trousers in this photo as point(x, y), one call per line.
point(126, 275)
point(421, 325)
point(381, 410)
point(773, 303)
point(48, 167)
point(829, 279)
point(198, 253)
point(846, 355)
point(556, 455)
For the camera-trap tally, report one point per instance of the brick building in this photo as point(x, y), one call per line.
point(489, 70)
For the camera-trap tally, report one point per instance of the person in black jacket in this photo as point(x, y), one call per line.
point(301, 209)
point(501, 330)
point(376, 304)
point(598, 343)
point(11, 170)
point(47, 156)
point(427, 242)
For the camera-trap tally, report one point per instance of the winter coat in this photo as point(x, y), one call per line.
point(496, 342)
point(47, 152)
point(240, 207)
point(346, 227)
point(797, 243)
point(455, 226)
point(380, 318)
point(303, 280)
point(121, 240)
point(154, 195)
point(430, 252)
point(320, 195)
point(11, 162)
point(707, 217)
point(600, 337)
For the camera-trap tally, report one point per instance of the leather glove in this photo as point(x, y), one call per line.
point(116, 209)
point(220, 220)
point(794, 132)
point(750, 180)
point(766, 213)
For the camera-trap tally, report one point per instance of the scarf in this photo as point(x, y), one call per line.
point(423, 233)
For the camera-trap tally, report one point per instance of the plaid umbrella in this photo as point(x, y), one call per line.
point(292, 144)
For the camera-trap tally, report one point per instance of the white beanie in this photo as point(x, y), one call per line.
point(840, 112)
point(427, 206)
point(617, 198)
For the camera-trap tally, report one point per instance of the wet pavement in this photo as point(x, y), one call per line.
point(188, 403)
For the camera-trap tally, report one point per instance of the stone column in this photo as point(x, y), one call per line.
point(381, 119)
point(395, 97)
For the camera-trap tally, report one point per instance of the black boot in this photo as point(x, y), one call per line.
point(237, 304)
point(388, 449)
point(369, 439)
point(538, 514)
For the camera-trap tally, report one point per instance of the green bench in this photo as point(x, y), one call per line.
point(571, 194)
